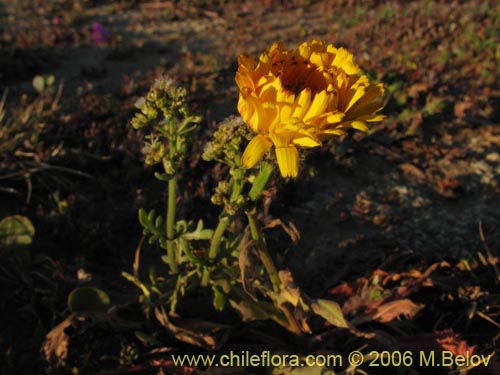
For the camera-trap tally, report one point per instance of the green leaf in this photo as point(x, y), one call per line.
point(50, 79)
point(16, 232)
point(330, 311)
point(138, 283)
point(199, 233)
point(146, 338)
point(88, 299)
point(143, 217)
point(220, 299)
point(39, 84)
point(260, 182)
point(158, 221)
point(162, 176)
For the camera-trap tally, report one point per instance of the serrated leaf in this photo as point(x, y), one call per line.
point(330, 311)
point(199, 233)
point(16, 231)
point(88, 299)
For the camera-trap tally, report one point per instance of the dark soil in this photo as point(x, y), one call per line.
point(423, 187)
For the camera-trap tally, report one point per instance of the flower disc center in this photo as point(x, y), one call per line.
point(297, 74)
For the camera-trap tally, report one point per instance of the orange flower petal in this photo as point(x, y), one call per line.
point(255, 150)
point(288, 161)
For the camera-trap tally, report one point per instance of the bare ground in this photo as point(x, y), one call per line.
point(421, 188)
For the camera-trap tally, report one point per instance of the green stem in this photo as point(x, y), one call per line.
point(172, 261)
point(265, 257)
point(215, 245)
point(172, 186)
point(268, 263)
point(217, 237)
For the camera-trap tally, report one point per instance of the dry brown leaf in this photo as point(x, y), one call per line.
point(460, 109)
point(449, 340)
point(411, 170)
point(394, 309)
point(55, 349)
point(342, 289)
point(289, 291)
point(415, 89)
point(243, 260)
point(289, 229)
point(193, 335)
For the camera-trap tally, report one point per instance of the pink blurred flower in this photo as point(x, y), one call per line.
point(99, 33)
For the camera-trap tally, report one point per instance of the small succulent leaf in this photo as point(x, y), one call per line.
point(182, 226)
point(50, 79)
point(162, 176)
point(220, 298)
point(88, 299)
point(38, 84)
point(143, 217)
point(158, 222)
point(151, 216)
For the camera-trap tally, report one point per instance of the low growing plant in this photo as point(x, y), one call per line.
point(290, 100)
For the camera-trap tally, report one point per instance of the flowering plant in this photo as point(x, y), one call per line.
point(291, 100)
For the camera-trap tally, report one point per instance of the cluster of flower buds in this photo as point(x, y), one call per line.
point(165, 109)
point(163, 99)
point(228, 141)
point(225, 147)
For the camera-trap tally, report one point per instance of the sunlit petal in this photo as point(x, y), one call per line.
point(255, 150)
point(288, 161)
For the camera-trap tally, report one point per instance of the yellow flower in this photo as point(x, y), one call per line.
point(300, 98)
